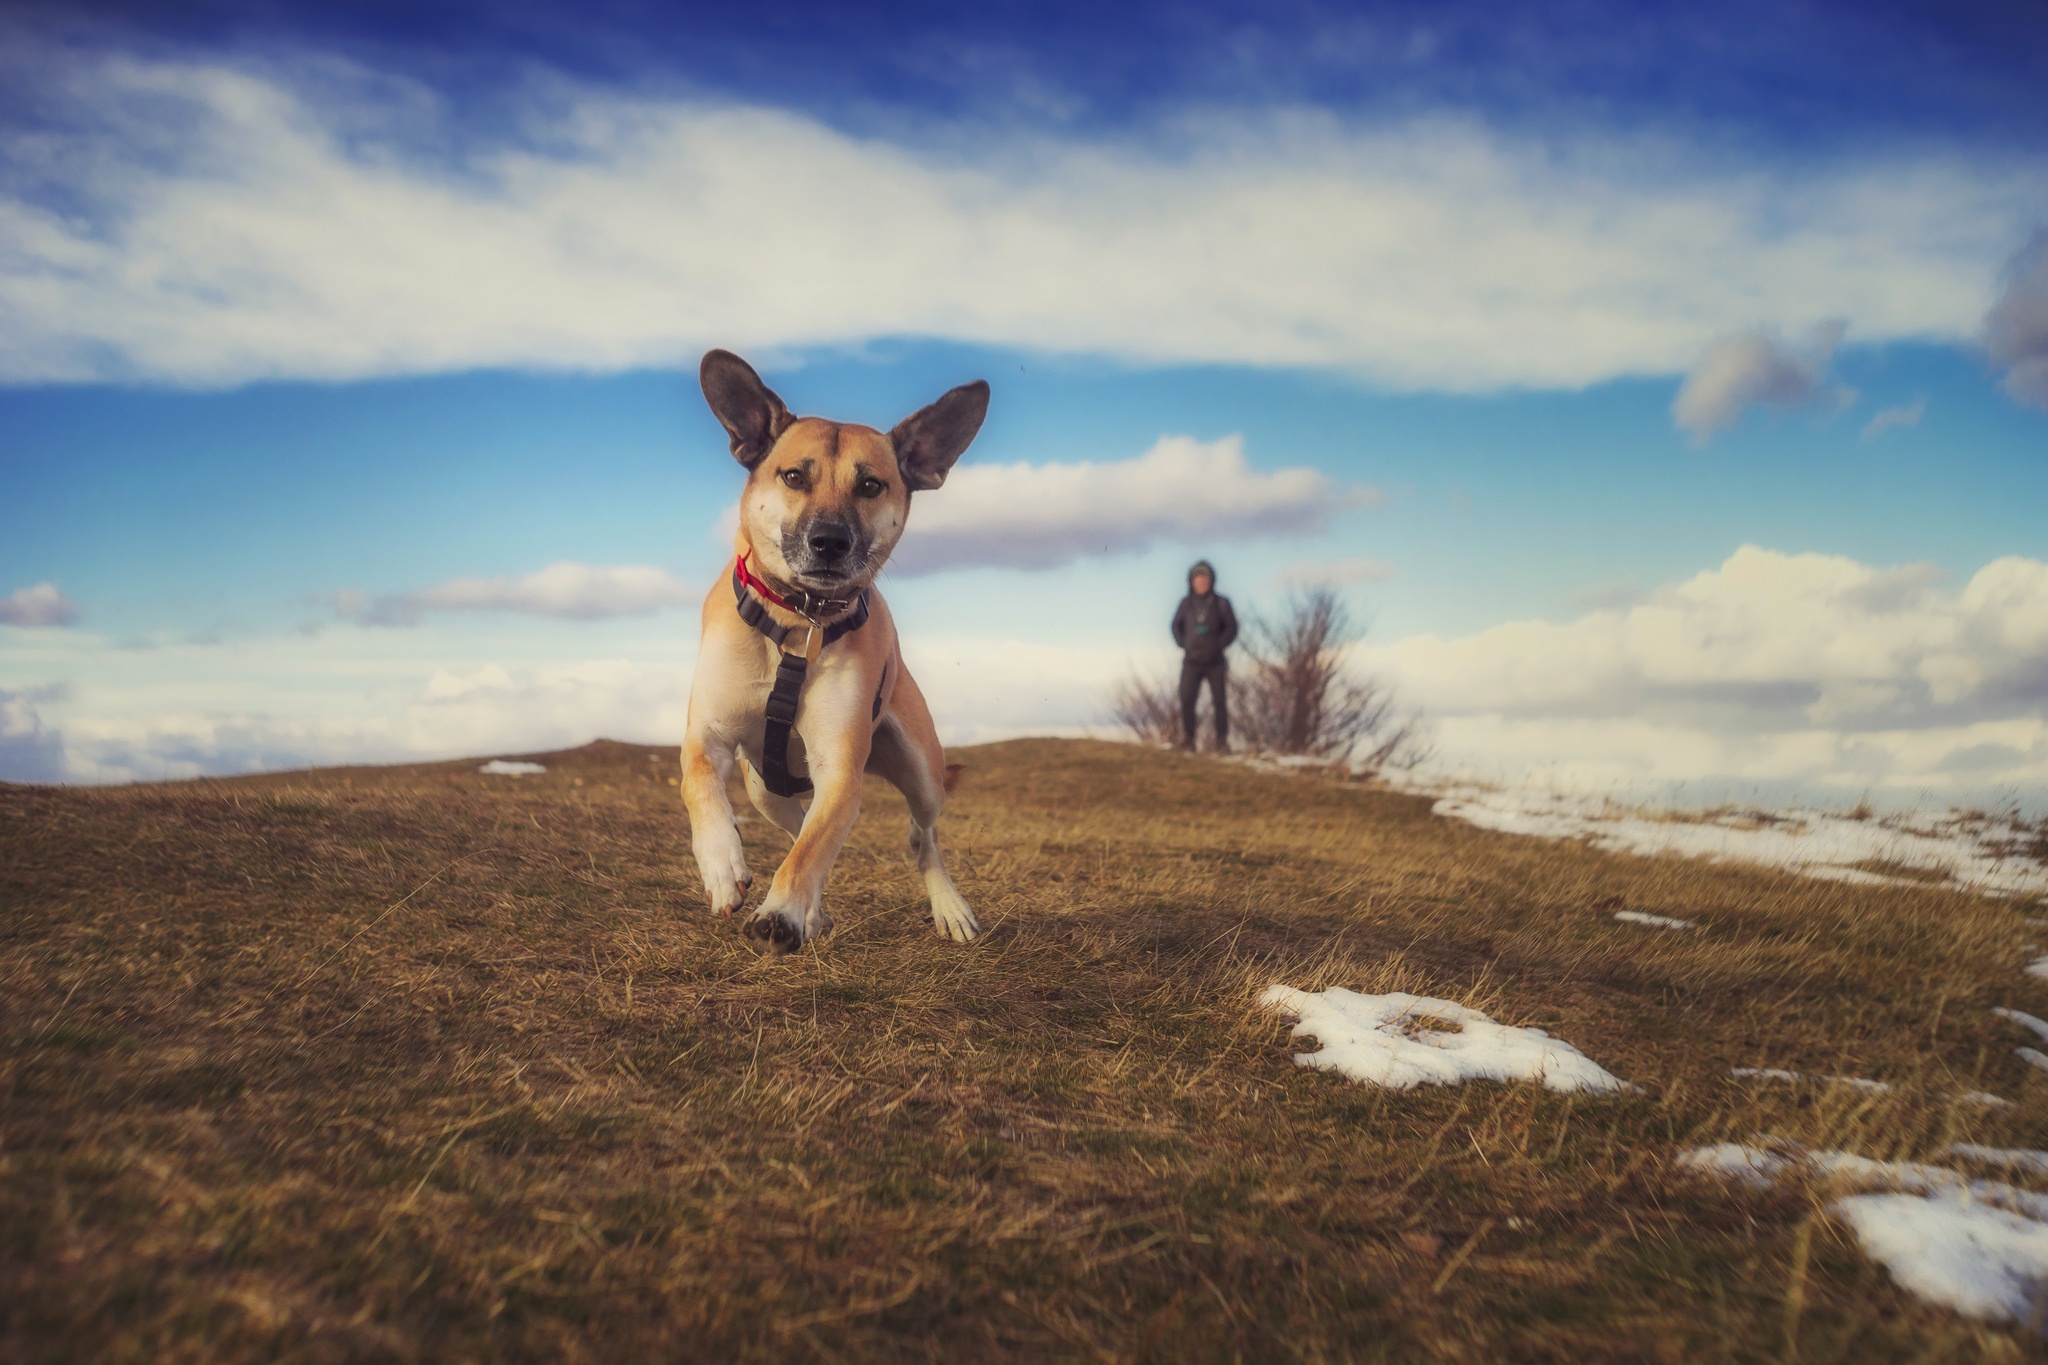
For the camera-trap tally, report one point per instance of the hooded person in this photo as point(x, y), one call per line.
point(1204, 626)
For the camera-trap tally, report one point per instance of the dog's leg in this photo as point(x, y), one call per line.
point(793, 913)
point(785, 811)
point(714, 834)
point(907, 754)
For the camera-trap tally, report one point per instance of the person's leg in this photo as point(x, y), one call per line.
point(1190, 687)
point(1219, 694)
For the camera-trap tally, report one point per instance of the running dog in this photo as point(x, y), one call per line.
point(799, 676)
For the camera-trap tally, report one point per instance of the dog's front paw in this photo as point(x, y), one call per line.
point(728, 896)
point(952, 918)
point(773, 931)
point(724, 867)
point(783, 928)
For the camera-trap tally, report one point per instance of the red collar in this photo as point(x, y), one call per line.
point(809, 605)
point(761, 589)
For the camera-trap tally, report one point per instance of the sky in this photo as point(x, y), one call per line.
point(1664, 390)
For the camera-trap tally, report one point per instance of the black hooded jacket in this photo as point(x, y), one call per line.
point(1204, 626)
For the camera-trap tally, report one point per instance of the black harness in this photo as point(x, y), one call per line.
point(790, 673)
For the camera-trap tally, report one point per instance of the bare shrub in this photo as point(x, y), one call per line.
point(1148, 708)
point(1290, 693)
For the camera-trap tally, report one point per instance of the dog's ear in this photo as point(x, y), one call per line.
point(748, 409)
point(930, 439)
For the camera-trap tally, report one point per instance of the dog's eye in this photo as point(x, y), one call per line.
point(794, 478)
point(870, 487)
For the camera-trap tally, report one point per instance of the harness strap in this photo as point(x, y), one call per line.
point(780, 712)
point(775, 728)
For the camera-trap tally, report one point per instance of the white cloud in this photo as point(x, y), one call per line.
point(1890, 419)
point(2016, 329)
point(219, 225)
point(29, 751)
point(1314, 573)
point(1804, 673)
point(1775, 667)
point(389, 697)
point(42, 605)
point(984, 688)
point(571, 591)
point(491, 708)
point(1041, 516)
point(1756, 368)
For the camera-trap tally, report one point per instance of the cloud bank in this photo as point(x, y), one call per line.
point(1316, 573)
point(2016, 329)
point(1795, 673)
point(1027, 516)
point(1793, 668)
point(42, 605)
point(566, 590)
point(207, 224)
point(29, 750)
point(1756, 368)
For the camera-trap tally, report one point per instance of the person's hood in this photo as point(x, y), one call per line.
point(1202, 566)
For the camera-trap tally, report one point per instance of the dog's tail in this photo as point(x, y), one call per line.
point(952, 776)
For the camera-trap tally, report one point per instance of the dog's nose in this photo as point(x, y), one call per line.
point(829, 542)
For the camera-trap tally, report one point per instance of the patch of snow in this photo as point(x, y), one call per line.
point(2038, 967)
point(505, 767)
point(1977, 1246)
point(1280, 763)
point(1766, 1073)
point(1918, 1177)
point(1653, 921)
point(2021, 1017)
point(1735, 1161)
point(1388, 1040)
point(1973, 852)
point(2031, 1057)
point(2012, 1158)
point(1983, 1262)
point(1772, 1073)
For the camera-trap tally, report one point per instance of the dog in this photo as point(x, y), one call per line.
point(797, 626)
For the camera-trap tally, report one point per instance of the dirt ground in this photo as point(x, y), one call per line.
point(422, 1064)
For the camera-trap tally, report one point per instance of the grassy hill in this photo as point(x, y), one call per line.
point(417, 1063)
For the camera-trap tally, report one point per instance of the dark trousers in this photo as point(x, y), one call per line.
point(1192, 675)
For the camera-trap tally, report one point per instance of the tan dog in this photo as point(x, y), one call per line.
point(825, 503)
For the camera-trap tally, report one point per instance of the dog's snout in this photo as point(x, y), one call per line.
point(829, 541)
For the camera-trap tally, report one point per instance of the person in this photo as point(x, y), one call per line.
point(1204, 626)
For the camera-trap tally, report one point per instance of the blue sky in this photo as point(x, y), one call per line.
point(347, 406)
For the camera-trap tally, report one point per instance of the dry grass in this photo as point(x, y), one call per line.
point(420, 1064)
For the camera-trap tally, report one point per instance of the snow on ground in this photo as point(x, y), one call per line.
point(2021, 1017)
point(1977, 1246)
point(1653, 921)
point(505, 767)
point(1401, 1041)
point(1734, 1161)
point(2038, 1027)
point(2014, 1159)
point(1977, 852)
point(1983, 1262)
point(2038, 967)
point(1773, 1073)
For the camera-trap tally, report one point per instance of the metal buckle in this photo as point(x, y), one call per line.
point(807, 603)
